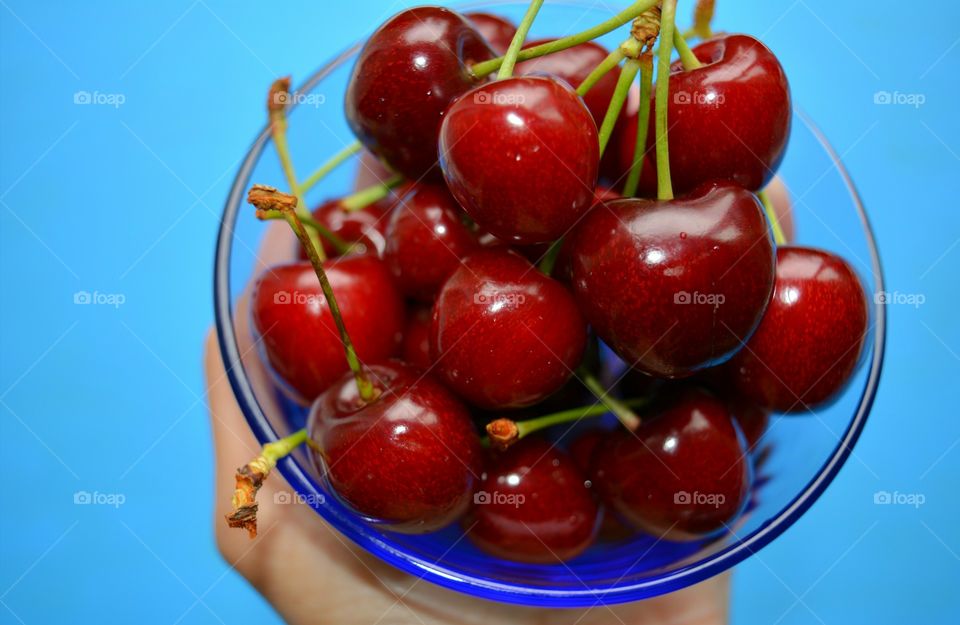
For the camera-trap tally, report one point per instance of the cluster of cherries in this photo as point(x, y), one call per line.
point(449, 324)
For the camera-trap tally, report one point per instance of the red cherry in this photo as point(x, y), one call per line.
point(366, 226)
point(298, 332)
point(407, 74)
point(426, 239)
point(416, 339)
point(728, 120)
point(520, 155)
point(581, 451)
point(409, 459)
point(533, 505)
point(682, 475)
point(811, 338)
point(504, 334)
point(497, 31)
point(674, 286)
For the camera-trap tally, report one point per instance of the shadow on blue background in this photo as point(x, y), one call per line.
point(121, 197)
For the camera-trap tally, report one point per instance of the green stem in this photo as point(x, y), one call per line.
point(620, 94)
point(643, 127)
point(516, 430)
point(601, 70)
point(486, 68)
point(338, 244)
point(550, 258)
point(275, 451)
point(668, 14)
point(627, 417)
point(778, 235)
point(335, 161)
point(687, 57)
point(510, 58)
point(374, 193)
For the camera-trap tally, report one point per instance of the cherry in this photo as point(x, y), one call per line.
point(504, 334)
point(416, 339)
point(682, 475)
point(298, 332)
point(520, 155)
point(811, 338)
point(533, 505)
point(407, 74)
point(728, 120)
point(426, 238)
point(409, 459)
point(366, 226)
point(497, 31)
point(674, 286)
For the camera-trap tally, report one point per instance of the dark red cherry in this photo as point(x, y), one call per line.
point(409, 459)
point(533, 505)
point(366, 227)
point(674, 286)
point(407, 74)
point(298, 332)
point(682, 475)
point(727, 120)
point(752, 419)
point(504, 334)
point(520, 155)
point(416, 339)
point(497, 31)
point(811, 338)
point(581, 451)
point(426, 238)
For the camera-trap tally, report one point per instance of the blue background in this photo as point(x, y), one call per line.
point(125, 200)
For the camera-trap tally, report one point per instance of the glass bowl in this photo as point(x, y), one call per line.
point(802, 454)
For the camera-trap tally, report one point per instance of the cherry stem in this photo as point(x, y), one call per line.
point(277, 99)
point(643, 126)
point(338, 244)
point(335, 161)
point(664, 185)
point(250, 478)
point(486, 68)
point(549, 259)
point(270, 203)
point(627, 417)
point(702, 17)
point(687, 57)
point(778, 236)
point(510, 58)
point(503, 432)
point(629, 72)
point(374, 193)
point(613, 59)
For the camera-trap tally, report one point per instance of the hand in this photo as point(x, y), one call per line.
point(312, 574)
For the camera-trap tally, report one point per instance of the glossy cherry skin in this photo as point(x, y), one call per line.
point(407, 74)
point(682, 475)
point(410, 459)
point(728, 120)
point(416, 339)
point(533, 505)
point(520, 155)
point(504, 334)
point(426, 238)
point(497, 31)
point(674, 286)
point(811, 338)
point(366, 227)
point(298, 332)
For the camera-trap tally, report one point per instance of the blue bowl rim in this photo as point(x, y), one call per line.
point(512, 593)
